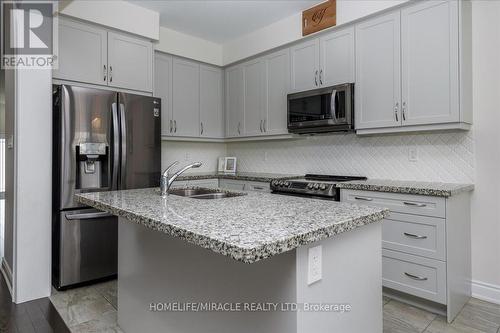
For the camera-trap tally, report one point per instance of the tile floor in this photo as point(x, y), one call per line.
point(93, 309)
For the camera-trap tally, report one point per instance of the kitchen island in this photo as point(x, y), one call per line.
point(240, 264)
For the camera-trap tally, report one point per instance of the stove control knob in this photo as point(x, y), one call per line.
point(310, 186)
point(322, 187)
point(316, 186)
point(287, 184)
point(281, 183)
point(273, 183)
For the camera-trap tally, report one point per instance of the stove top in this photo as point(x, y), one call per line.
point(312, 185)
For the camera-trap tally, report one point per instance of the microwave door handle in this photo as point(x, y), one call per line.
point(333, 107)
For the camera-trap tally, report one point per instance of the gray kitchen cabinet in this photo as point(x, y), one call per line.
point(337, 57)
point(91, 54)
point(242, 185)
point(211, 108)
point(185, 98)
point(305, 65)
point(235, 108)
point(277, 84)
point(430, 63)
point(130, 62)
point(83, 53)
point(163, 90)
point(426, 245)
point(253, 74)
point(378, 72)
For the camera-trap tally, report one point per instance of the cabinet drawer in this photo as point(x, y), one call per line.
point(418, 276)
point(399, 203)
point(235, 185)
point(258, 186)
point(419, 235)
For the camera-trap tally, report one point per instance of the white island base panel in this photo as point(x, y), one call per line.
point(154, 267)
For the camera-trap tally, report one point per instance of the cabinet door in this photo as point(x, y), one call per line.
point(82, 53)
point(254, 91)
point(278, 85)
point(211, 117)
point(130, 62)
point(337, 57)
point(235, 90)
point(430, 86)
point(163, 90)
point(378, 72)
point(186, 98)
point(305, 65)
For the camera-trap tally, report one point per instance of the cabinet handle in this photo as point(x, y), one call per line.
point(320, 77)
point(171, 125)
point(316, 78)
point(403, 111)
point(110, 73)
point(415, 277)
point(261, 130)
point(414, 204)
point(363, 199)
point(396, 108)
point(264, 126)
point(201, 128)
point(104, 73)
point(414, 236)
point(175, 126)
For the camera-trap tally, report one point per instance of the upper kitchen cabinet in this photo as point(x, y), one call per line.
point(254, 115)
point(130, 62)
point(235, 91)
point(378, 87)
point(430, 63)
point(186, 98)
point(413, 69)
point(305, 65)
point(91, 54)
point(163, 90)
point(83, 53)
point(337, 57)
point(211, 108)
point(278, 85)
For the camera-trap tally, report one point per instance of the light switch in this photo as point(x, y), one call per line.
point(413, 154)
point(314, 266)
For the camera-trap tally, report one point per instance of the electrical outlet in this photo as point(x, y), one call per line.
point(314, 264)
point(265, 156)
point(413, 154)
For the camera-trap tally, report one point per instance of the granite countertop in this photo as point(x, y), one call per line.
point(247, 228)
point(407, 187)
point(246, 176)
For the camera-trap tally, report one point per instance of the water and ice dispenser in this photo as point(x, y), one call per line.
point(92, 164)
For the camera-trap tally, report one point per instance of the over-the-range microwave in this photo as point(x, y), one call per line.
point(329, 109)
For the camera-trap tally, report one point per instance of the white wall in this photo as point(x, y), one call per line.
point(183, 45)
point(116, 14)
point(289, 29)
point(187, 152)
point(486, 198)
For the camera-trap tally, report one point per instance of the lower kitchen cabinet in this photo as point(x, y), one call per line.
point(426, 241)
point(242, 185)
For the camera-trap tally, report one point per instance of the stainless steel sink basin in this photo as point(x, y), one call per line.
point(204, 193)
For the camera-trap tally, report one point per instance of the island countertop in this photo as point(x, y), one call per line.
point(247, 228)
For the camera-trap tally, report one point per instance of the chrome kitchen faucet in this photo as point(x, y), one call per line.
point(166, 181)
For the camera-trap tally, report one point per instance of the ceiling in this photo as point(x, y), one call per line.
point(222, 20)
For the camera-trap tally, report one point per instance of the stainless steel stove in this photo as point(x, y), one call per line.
point(313, 186)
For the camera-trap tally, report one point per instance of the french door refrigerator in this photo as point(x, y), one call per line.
point(103, 140)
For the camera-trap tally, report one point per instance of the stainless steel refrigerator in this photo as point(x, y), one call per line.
point(103, 140)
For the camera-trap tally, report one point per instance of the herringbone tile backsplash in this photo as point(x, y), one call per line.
point(446, 157)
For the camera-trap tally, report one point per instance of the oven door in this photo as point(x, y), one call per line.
point(325, 109)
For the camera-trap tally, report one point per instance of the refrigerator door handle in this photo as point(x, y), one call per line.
point(116, 147)
point(123, 167)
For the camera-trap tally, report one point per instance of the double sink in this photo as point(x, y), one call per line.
point(204, 193)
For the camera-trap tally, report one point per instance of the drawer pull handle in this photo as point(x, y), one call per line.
point(414, 236)
point(414, 204)
point(414, 277)
point(364, 199)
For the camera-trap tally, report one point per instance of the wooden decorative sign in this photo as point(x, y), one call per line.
point(319, 17)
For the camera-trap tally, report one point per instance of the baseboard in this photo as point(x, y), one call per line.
point(486, 291)
point(7, 274)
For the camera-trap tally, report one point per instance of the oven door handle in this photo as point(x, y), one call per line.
point(333, 108)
